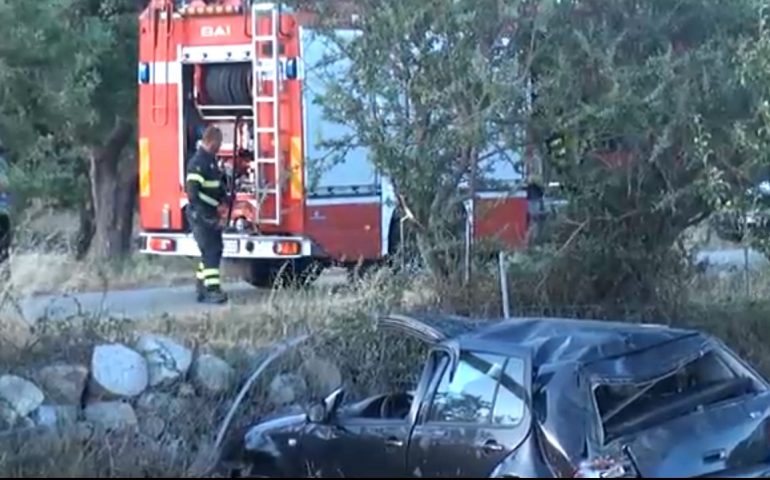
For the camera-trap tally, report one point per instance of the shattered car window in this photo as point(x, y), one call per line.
point(625, 408)
point(479, 382)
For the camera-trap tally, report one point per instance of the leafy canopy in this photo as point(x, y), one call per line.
point(67, 69)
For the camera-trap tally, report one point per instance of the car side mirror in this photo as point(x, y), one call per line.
point(324, 411)
point(317, 413)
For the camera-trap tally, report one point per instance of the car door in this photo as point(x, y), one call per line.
point(352, 446)
point(370, 448)
point(348, 445)
point(377, 448)
point(475, 416)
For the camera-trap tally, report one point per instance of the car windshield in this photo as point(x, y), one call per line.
point(625, 408)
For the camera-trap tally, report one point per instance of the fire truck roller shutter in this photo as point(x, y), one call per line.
point(228, 84)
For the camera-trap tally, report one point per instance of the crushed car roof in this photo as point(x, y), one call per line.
point(552, 340)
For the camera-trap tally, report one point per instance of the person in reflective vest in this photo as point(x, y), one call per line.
point(205, 192)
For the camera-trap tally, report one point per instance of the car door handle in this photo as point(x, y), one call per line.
point(715, 456)
point(394, 443)
point(491, 446)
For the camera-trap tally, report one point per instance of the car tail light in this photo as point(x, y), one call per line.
point(160, 244)
point(607, 467)
point(286, 248)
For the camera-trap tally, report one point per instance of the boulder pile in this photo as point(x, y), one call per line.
point(157, 390)
point(145, 387)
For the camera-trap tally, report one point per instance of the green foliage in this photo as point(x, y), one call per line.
point(66, 70)
point(661, 106)
point(745, 215)
point(656, 109)
point(427, 86)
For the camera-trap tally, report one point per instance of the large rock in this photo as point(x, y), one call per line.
point(18, 398)
point(10, 420)
point(111, 415)
point(212, 374)
point(166, 359)
point(56, 416)
point(118, 371)
point(64, 384)
point(286, 389)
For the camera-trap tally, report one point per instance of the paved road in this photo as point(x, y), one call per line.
point(143, 302)
point(128, 303)
point(731, 259)
point(153, 301)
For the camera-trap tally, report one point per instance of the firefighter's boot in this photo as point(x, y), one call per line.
point(213, 296)
point(200, 289)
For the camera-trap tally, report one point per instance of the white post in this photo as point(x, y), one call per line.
point(503, 284)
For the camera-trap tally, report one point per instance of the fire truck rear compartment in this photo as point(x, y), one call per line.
point(221, 95)
point(250, 83)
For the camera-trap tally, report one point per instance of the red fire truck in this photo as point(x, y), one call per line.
point(251, 69)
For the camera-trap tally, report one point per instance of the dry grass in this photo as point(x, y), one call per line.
point(38, 273)
point(43, 260)
point(342, 317)
point(239, 333)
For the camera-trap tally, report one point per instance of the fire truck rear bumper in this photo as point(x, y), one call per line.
point(235, 246)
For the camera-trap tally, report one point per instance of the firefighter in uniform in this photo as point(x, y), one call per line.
point(205, 192)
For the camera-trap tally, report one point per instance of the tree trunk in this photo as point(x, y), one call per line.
point(86, 229)
point(113, 192)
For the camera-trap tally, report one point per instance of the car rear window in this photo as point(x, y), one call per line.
point(486, 389)
point(624, 408)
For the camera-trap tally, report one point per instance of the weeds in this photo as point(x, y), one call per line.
point(340, 320)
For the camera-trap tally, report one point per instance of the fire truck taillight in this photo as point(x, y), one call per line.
point(162, 244)
point(287, 248)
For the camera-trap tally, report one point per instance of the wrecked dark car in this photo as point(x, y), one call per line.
point(534, 397)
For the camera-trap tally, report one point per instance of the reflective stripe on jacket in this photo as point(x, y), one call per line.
point(204, 184)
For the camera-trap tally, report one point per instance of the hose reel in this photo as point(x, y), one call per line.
point(228, 84)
